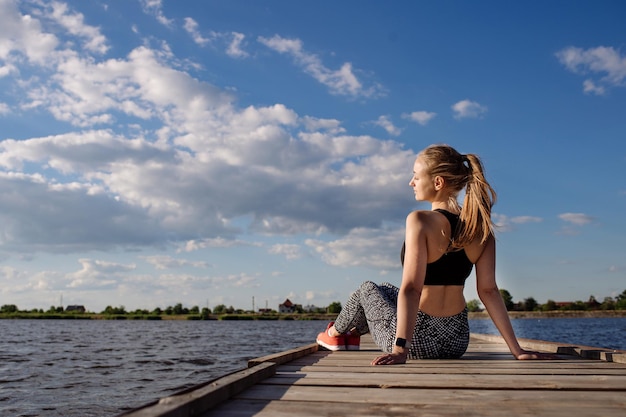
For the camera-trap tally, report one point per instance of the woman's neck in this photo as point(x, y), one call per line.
point(447, 205)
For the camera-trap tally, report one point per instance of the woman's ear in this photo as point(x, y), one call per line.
point(439, 183)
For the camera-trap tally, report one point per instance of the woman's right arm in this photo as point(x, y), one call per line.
point(413, 274)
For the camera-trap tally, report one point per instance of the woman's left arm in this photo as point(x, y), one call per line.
point(492, 299)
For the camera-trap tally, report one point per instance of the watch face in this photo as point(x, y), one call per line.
point(400, 342)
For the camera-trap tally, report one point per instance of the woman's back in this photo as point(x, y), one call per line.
point(441, 300)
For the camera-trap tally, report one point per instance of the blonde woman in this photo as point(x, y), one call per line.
point(426, 318)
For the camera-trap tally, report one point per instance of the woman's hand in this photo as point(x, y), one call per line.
point(392, 358)
point(526, 355)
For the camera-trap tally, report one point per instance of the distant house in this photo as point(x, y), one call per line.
point(288, 307)
point(75, 309)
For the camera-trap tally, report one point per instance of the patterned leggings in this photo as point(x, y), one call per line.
point(373, 309)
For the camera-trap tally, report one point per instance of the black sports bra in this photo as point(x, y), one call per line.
point(452, 268)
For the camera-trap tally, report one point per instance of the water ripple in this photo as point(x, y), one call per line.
point(101, 368)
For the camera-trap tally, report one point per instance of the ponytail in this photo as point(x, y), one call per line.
point(464, 171)
point(476, 210)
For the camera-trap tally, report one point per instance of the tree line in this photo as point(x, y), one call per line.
point(175, 310)
point(530, 304)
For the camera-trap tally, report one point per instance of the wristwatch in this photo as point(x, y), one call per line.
point(400, 342)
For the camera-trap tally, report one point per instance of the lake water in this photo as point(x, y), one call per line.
point(608, 333)
point(100, 368)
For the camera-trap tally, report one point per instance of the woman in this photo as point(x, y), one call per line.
point(426, 318)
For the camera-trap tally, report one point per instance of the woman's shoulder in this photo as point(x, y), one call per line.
point(422, 215)
point(430, 215)
point(426, 219)
point(476, 248)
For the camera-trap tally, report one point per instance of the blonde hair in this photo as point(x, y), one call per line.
point(464, 171)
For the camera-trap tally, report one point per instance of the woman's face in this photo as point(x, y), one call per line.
point(422, 183)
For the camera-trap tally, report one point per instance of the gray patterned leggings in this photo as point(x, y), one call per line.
point(373, 309)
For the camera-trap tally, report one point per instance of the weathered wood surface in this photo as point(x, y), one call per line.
point(194, 402)
point(487, 381)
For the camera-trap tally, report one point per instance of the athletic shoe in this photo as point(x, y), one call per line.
point(353, 341)
point(330, 342)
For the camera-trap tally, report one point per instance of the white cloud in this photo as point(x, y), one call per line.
point(590, 87)
point(23, 34)
point(506, 223)
point(217, 242)
point(468, 109)
point(86, 93)
point(362, 247)
point(75, 25)
point(421, 117)
point(330, 125)
point(168, 262)
point(283, 45)
point(7, 69)
point(155, 8)
point(97, 274)
point(234, 41)
point(72, 218)
point(289, 251)
point(578, 219)
point(386, 123)
point(235, 47)
point(604, 62)
point(285, 185)
point(191, 26)
point(340, 82)
point(242, 280)
point(9, 274)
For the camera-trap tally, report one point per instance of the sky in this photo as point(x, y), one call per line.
point(155, 152)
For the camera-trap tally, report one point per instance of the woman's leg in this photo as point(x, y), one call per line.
point(371, 308)
point(352, 315)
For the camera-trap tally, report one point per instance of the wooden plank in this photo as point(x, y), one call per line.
point(478, 369)
point(473, 365)
point(427, 395)
point(587, 352)
point(348, 359)
point(286, 356)
point(197, 400)
point(261, 401)
point(457, 381)
point(306, 409)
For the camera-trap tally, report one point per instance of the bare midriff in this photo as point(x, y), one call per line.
point(442, 300)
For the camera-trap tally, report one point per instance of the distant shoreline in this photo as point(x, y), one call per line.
point(556, 314)
point(322, 317)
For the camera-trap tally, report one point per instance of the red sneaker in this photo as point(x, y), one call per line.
point(330, 342)
point(353, 341)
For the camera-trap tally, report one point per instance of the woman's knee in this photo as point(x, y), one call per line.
point(367, 286)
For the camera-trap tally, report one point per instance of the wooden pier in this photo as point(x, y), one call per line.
point(486, 381)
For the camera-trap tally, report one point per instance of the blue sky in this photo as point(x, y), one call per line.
point(219, 152)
